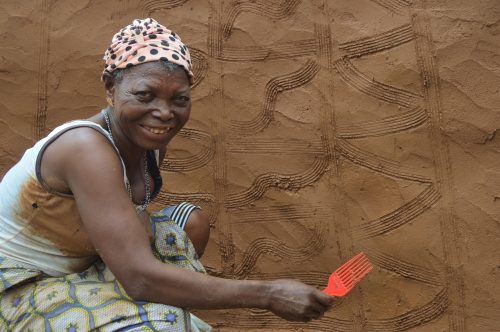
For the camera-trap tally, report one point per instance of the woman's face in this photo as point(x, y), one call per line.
point(151, 104)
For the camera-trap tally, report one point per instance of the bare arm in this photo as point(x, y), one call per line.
point(95, 177)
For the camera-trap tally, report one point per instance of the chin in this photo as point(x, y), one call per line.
point(155, 145)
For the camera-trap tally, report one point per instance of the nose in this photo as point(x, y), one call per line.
point(163, 111)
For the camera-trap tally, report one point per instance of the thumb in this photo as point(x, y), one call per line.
point(325, 299)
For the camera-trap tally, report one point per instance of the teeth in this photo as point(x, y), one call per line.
point(157, 131)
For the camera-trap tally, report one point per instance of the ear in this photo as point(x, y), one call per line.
point(109, 84)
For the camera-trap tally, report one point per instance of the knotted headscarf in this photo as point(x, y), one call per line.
point(145, 41)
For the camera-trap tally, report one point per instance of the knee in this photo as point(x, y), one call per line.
point(198, 230)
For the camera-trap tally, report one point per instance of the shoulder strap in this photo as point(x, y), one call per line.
point(58, 132)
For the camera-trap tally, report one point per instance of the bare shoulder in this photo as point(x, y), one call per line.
point(79, 149)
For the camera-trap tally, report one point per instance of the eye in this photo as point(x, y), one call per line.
point(181, 100)
point(144, 96)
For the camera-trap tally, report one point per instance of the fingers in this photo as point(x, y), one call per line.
point(322, 304)
point(325, 299)
point(316, 314)
point(318, 307)
point(312, 315)
point(299, 302)
point(318, 304)
point(310, 312)
point(316, 310)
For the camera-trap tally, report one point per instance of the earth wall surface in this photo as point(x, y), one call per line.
point(319, 129)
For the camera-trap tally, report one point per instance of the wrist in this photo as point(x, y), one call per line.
point(266, 292)
point(254, 294)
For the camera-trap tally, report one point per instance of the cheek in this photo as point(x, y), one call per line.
point(130, 110)
point(125, 116)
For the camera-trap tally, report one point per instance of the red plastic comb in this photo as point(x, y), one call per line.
point(348, 275)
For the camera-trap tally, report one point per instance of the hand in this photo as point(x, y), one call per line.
point(295, 301)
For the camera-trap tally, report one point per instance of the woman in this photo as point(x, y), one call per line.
point(78, 198)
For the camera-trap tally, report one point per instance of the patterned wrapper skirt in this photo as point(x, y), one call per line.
point(93, 300)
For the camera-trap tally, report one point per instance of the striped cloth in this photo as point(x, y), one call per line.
point(180, 213)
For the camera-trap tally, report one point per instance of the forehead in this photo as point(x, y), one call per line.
point(154, 73)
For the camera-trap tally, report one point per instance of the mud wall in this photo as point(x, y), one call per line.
point(319, 129)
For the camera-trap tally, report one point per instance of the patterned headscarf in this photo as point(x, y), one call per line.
point(145, 41)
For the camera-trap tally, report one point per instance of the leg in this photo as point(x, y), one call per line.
point(198, 230)
point(91, 300)
point(194, 221)
point(94, 299)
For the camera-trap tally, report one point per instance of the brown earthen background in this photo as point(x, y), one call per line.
point(319, 129)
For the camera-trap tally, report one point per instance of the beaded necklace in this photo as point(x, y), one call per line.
point(147, 200)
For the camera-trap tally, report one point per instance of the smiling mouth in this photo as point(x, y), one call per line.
point(157, 130)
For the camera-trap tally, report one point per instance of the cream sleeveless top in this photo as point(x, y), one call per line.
point(38, 228)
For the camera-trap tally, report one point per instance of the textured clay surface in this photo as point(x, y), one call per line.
point(319, 129)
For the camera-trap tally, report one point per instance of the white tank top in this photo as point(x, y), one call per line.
point(41, 229)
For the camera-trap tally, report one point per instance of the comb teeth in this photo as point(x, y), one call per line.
point(356, 275)
point(356, 269)
point(359, 258)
